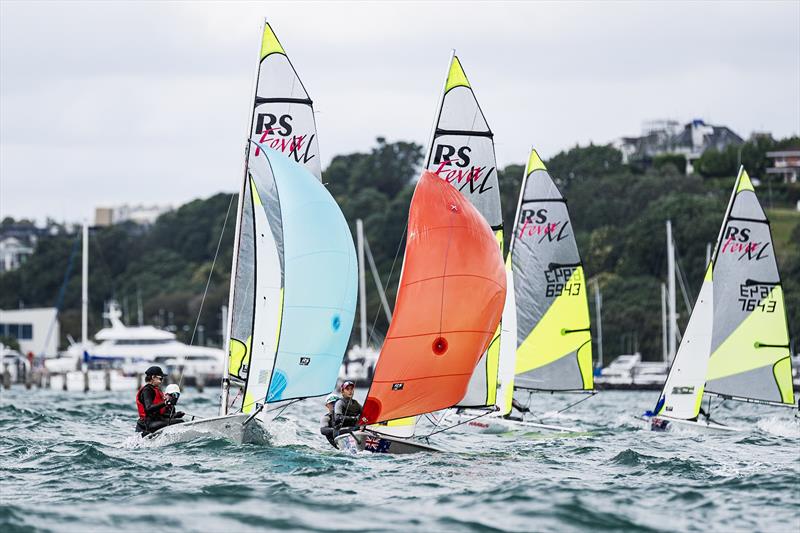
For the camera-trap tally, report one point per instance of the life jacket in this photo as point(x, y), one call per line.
point(159, 398)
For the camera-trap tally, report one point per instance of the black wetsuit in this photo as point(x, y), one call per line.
point(155, 418)
point(327, 429)
point(346, 413)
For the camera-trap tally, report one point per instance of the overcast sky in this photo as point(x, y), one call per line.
point(103, 103)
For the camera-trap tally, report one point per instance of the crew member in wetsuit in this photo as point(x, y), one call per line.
point(519, 407)
point(326, 422)
point(153, 405)
point(171, 394)
point(347, 409)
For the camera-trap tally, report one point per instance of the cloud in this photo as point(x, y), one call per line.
point(111, 103)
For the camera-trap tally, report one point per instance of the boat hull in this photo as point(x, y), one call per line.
point(665, 423)
point(497, 424)
point(231, 427)
point(359, 441)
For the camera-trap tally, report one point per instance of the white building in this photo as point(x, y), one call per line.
point(13, 253)
point(139, 214)
point(660, 137)
point(31, 327)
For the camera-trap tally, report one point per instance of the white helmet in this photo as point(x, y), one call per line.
point(172, 388)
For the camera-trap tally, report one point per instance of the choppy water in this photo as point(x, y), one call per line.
point(69, 462)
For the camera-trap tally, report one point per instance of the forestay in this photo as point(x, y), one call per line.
point(737, 340)
point(462, 153)
point(552, 311)
point(453, 272)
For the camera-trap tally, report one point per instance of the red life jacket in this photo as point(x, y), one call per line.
point(159, 398)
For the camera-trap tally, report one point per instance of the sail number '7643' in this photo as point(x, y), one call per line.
point(754, 297)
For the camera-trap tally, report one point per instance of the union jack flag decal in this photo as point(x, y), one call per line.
point(376, 444)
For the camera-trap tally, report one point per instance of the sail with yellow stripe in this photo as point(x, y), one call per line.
point(283, 115)
point(293, 288)
point(462, 153)
point(741, 349)
point(554, 344)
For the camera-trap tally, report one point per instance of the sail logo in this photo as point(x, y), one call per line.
point(284, 121)
point(397, 386)
point(563, 280)
point(737, 241)
point(683, 390)
point(476, 177)
point(305, 361)
point(754, 296)
point(296, 146)
point(534, 223)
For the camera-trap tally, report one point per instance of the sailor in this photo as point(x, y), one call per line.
point(171, 395)
point(519, 407)
point(153, 405)
point(347, 409)
point(326, 422)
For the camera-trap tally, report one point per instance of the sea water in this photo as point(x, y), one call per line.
point(71, 462)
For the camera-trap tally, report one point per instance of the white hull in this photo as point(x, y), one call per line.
point(497, 424)
point(359, 441)
point(231, 427)
point(665, 423)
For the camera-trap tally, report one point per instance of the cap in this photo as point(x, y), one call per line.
point(331, 398)
point(347, 384)
point(154, 371)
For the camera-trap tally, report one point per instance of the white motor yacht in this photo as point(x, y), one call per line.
point(132, 349)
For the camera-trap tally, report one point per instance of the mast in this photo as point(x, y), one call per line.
point(85, 285)
point(223, 408)
point(665, 352)
point(362, 290)
point(598, 311)
point(377, 278)
point(672, 317)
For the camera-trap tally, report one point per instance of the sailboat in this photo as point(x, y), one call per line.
point(546, 343)
point(736, 345)
point(449, 301)
point(294, 272)
point(461, 151)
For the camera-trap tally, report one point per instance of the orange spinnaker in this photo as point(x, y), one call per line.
point(449, 304)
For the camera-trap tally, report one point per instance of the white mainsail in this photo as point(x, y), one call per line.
point(737, 341)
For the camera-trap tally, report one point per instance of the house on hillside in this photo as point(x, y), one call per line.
point(13, 253)
point(662, 137)
point(786, 164)
point(138, 214)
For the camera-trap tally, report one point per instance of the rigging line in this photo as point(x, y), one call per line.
point(576, 403)
point(456, 425)
point(208, 281)
point(386, 285)
point(61, 291)
point(283, 408)
point(683, 280)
